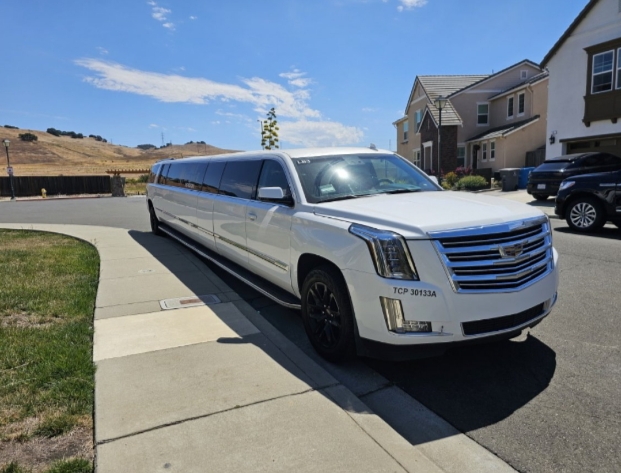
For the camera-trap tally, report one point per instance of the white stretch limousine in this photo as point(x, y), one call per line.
point(379, 259)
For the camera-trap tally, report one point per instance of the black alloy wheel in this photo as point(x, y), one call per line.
point(327, 314)
point(155, 223)
point(540, 196)
point(585, 214)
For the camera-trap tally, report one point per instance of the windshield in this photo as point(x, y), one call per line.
point(555, 165)
point(339, 177)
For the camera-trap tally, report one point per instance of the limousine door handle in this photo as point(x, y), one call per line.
point(252, 216)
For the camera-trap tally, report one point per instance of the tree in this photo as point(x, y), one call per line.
point(269, 134)
point(28, 137)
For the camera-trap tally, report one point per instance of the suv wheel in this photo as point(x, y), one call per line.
point(155, 223)
point(540, 197)
point(327, 314)
point(585, 214)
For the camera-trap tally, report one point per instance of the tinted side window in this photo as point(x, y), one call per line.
point(240, 178)
point(174, 175)
point(273, 175)
point(592, 161)
point(189, 175)
point(611, 160)
point(163, 174)
point(211, 180)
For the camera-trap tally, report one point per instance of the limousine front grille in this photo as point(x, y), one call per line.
point(497, 258)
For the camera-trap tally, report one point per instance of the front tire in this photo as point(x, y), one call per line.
point(585, 214)
point(327, 314)
point(154, 221)
point(540, 197)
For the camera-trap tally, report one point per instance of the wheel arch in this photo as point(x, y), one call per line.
point(309, 261)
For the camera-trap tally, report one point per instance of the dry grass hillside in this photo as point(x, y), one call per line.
point(63, 155)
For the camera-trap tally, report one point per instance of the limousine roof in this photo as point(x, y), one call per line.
point(292, 153)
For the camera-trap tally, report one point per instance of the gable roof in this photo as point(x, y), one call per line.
point(585, 11)
point(450, 116)
point(504, 130)
point(434, 86)
point(536, 78)
point(495, 74)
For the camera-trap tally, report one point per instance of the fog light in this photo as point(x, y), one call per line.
point(395, 321)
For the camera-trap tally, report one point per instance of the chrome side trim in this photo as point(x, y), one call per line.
point(230, 271)
point(269, 259)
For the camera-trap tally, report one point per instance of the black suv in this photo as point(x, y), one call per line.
point(545, 179)
point(588, 201)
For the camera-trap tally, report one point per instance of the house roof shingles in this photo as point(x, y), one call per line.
point(504, 130)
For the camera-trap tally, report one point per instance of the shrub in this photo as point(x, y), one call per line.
point(451, 179)
point(146, 146)
point(11, 127)
point(28, 137)
point(143, 178)
point(472, 183)
point(462, 171)
point(54, 131)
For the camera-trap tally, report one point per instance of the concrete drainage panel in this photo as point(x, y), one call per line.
point(191, 301)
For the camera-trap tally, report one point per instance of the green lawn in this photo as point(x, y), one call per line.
point(48, 285)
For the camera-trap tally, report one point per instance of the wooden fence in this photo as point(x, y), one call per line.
point(535, 158)
point(27, 186)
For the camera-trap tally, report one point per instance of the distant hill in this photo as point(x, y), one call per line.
point(62, 155)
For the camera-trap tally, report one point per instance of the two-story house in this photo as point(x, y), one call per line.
point(584, 102)
point(488, 121)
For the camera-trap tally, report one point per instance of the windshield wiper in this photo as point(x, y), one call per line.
point(401, 191)
point(343, 197)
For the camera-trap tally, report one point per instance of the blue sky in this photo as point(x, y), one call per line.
point(338, 72)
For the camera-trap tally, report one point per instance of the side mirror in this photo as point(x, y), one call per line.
point(274, 194)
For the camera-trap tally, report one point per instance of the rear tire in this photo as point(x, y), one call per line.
point(327, 314)
point(154, 221)
point(585, 214)
point(540, 197)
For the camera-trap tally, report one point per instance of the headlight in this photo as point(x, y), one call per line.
point(566, 185)
point(389, 252)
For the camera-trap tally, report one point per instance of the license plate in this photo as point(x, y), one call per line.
point(541, 186)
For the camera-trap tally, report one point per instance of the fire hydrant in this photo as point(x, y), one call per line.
point(43, 193)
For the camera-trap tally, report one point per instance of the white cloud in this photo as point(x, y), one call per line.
point(369, 109)
point(307, 128)
point(296, 78)
point(409, 4)
point(102, 51)
point(161, 14)
point(193, 17)
point(319, 133)
point(154, 125)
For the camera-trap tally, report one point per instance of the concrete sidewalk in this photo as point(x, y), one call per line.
point(185, 386)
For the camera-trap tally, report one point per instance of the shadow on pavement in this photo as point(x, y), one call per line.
point(476, 386)
point(609, 232)
point(470, 387)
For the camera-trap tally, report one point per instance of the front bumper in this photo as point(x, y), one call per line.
point(446, 309)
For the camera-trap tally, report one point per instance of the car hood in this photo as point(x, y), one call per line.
point(596, 176)
point(413, 215)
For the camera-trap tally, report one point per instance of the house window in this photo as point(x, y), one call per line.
point(523, 75)
point(405, 130)
point(510, 107)
point(492, 150)
point(418, 116)
point(482, 114)
point(417, 157)
point(520, 104)
point(619, 63)
point(484, 151)
point(601, 80)
point(461, 156)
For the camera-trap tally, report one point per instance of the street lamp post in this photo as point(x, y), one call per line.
point(9, 170)
point(440, 103)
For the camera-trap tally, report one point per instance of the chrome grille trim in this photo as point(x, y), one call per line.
point(473, 261)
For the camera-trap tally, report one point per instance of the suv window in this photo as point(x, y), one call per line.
point(593, 161)
point(153, 173)
point(273, 175)
point(174, 175)
point(190, 174)
point(240, 178)
point(162, 178)
point(211, 181)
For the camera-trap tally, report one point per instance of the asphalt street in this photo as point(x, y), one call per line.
point(545, 402)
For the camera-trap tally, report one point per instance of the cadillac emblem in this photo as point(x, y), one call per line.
point(511, 251)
